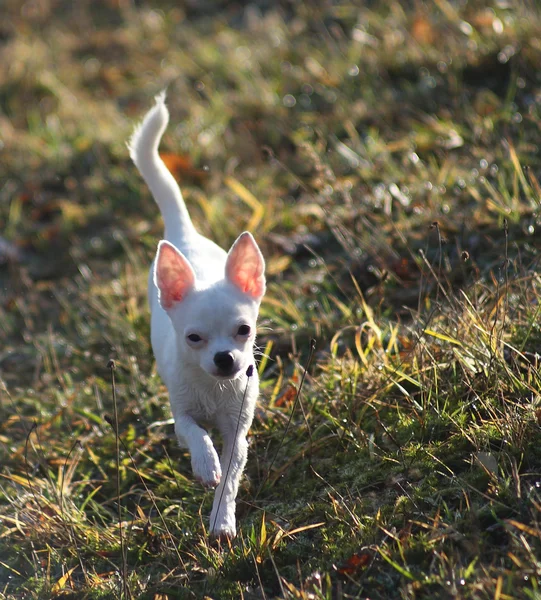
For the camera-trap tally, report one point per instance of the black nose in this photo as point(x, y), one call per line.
point(224, 361)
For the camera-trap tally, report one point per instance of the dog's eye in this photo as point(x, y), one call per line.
point(193, 337)
point(244, 330)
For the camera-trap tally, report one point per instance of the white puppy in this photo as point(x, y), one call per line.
point(204, 304)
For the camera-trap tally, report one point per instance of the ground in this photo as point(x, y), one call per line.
point(385, 155)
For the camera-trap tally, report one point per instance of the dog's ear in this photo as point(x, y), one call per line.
point(245, 266)
point(173, 275)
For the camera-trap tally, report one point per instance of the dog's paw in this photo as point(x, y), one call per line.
point(222, 525)
point(211, 482)
point(206, 467)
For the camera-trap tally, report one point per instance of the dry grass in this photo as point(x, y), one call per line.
point(386, 158)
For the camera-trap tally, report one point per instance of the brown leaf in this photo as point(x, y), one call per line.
point(182, 167)
point(422, 31)
point(404, 269)
point(287, 396)
point(354, 563)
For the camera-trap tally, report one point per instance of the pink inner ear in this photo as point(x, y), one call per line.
point(173, 275)
point(245, 266)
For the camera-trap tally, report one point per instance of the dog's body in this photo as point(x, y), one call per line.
point(204, 304)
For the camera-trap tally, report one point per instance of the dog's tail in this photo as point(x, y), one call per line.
point(143, 147)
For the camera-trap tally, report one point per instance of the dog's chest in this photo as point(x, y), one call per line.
point(206, 404)
point(203, 408)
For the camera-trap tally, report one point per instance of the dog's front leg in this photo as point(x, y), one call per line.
point(205, 462)
point(233, 461)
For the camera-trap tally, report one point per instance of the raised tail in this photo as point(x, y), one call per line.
point(143, 147)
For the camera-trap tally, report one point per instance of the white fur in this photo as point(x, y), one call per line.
point(197, 289)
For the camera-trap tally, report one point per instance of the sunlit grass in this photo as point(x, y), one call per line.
point(385, 157)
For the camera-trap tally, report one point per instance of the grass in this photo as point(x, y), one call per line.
point(386, 158)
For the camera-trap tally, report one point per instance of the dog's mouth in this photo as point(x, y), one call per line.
point(225, 375)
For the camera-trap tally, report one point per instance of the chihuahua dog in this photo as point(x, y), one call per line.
point(204, 304)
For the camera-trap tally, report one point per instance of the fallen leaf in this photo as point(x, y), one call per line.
point(422, 31)
point(287, 396)
point(354, 563)
point(404, 269)
point(182, 167)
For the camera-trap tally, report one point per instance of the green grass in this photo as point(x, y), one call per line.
point(386, 157)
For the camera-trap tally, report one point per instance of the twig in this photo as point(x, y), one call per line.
point(249, 373)
point(34, 426)
point(126, 593)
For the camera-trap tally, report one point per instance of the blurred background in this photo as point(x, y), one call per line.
point(386, 157)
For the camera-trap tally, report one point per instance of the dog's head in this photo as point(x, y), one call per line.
point(215, 325)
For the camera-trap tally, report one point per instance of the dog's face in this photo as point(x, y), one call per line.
point(216, 326)
point(216, 330)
